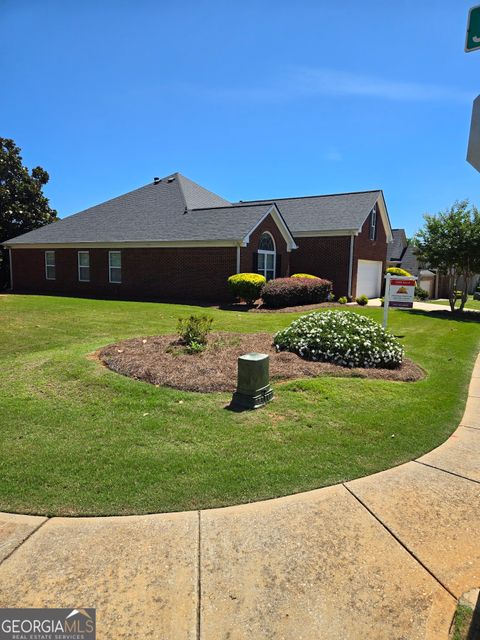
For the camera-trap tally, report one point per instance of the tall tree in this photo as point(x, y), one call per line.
point(450, 243)
point(23, 206)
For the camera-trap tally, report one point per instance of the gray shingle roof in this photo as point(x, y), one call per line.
point(410, 261)
point(155, 212)
point(342, 212)
point(176, 209)
point(398, 246)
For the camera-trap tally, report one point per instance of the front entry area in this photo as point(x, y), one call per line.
point(369, 278)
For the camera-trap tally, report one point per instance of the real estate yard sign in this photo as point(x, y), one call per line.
point(399, 292)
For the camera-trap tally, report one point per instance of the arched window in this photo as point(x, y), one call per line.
point(266, 243)
point(266, 256)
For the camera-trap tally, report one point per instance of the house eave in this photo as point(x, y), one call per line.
point(326, 233)
point(154, 244)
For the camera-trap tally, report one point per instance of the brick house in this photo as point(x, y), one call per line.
point(173, 239)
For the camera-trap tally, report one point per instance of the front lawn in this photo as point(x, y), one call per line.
point(76, 438)
point(470, 304)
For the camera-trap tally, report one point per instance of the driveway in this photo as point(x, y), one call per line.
point(380, 557)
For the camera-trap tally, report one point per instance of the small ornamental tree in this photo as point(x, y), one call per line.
point(450, 243)
point(23, 206)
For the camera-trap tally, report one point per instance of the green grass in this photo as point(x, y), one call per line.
point(461, 622)
point(76, 438)
point(470, 304)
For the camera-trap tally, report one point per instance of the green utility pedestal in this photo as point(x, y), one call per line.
point(253, 384)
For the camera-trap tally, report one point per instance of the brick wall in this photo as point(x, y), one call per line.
point(366, 249)
point(246, 253)
point(182, 274)
point(327, 257)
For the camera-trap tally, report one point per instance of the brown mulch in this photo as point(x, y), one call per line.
point(260, 308)
point(161, 360)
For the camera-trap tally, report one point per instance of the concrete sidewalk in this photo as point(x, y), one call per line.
point(423, 306)
point(382, 557)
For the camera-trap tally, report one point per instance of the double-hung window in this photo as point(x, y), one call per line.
point(84, 266)
point(115, 267)
point(373, 224)
point(50, 265)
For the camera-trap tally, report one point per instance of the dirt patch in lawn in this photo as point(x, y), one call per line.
point(161, 360)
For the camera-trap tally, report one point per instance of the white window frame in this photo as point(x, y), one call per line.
point(82, 266)
point(373, 223)
point(47, 265)
point(266, 253)
point(110, 267)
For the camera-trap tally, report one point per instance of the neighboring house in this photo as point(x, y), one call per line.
point(173, 239)
point(402, 254)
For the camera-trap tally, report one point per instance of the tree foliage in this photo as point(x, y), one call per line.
point(23, 206)
point(450, 243)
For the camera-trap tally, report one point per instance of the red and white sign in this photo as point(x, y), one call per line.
point(402, 292)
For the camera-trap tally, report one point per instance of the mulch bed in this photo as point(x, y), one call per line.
point(260, 308)
point(161, 360)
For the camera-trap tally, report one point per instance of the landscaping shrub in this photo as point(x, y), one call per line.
point(396, 271)
point(290, 292)
point(343, 300)
point(342, 337)
point(303, 275)
point(420, 294)
point(362, 300)
point(246, 286)
point(193, 331)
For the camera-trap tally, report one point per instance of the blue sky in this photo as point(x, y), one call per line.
point(250, 99)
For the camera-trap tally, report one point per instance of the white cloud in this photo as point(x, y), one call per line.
point(304, 82)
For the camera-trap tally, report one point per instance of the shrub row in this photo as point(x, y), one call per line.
point(299, 289)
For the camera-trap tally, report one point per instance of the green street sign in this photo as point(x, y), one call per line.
point(472, 40)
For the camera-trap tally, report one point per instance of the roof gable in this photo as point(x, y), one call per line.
point(342, 213)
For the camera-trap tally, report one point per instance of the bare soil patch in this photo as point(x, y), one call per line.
point(161, 360)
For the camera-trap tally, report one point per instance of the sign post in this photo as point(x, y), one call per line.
point(399, 292)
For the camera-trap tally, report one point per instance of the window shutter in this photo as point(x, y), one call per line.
point(278, 266)
point(255, 262)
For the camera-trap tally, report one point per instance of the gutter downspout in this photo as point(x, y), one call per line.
point(11, 268)
point(350, 266)
point(238, 258)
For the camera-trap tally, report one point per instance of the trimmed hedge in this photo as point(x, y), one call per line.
point(246, 286)
point(292, 292)
point(342, 337)
point(303, 275)
point(396, 271)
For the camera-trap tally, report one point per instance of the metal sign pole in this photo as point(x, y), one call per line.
point(386, 299)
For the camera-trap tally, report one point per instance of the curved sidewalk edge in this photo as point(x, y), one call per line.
point(385, 556)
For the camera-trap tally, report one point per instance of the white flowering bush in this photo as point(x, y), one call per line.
point(342, 337)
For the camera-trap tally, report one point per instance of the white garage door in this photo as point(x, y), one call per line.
point(369, 278)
